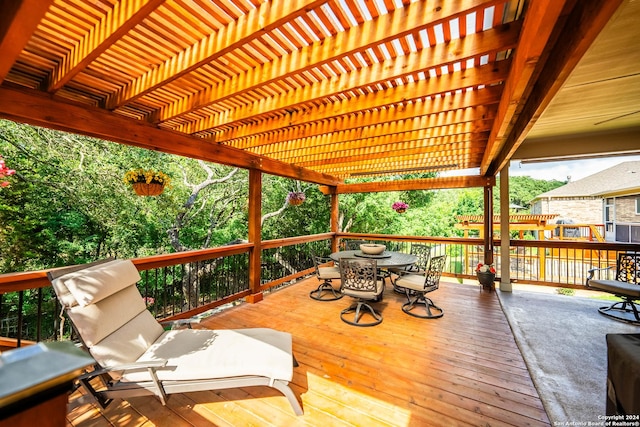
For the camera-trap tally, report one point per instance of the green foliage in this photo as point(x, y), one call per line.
point(566, 291)
point(68, 204)
point(523, 189)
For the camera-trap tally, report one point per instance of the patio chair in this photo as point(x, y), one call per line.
point(626, 286)
point(416, 287)
point(353, 245)
point(136, 356)
point(360, 280)
point(326, 291)
point(423, 252)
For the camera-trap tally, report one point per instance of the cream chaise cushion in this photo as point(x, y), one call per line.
point(195, 354)
point(110, 315)
point(95, 283)
point(108, 311)
point(128, 342)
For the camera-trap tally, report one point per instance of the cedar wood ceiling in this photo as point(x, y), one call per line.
point(322, 91)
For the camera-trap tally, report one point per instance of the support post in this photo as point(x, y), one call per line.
point(488, 224)
point(255, 234)
point(505, 232)
point(335, 215)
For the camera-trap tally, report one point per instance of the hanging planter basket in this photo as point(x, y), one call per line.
point(400, 207)
point(144, 189)
point(147, 182)
point(296, 198)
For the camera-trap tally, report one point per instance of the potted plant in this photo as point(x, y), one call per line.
point(147, 182)
point(400, 207)
point(486, 274)
point(296, 198)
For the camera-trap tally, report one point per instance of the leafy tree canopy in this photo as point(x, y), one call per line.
point(67, 203)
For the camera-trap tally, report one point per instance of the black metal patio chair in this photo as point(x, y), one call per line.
point(360, 280)
point(416, 287)
point(626, 285)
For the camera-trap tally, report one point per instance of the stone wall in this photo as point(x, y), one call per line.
point(582, 210)
point(626, 209)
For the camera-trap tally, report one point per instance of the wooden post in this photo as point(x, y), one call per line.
point(255, 234)
point(488, 224)
point(335, 215)
point(505, 231)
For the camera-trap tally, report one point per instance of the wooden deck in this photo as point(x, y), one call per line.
point(462, 369)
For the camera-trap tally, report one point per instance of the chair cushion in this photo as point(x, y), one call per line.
point(616, 287)
point(328, 273)
point(201, 354)
point(365, 294)
point(93, 284)
point(127, 343)
point(411, 281)
point(96, 321)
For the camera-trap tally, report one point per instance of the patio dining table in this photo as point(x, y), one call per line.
point(387, 259)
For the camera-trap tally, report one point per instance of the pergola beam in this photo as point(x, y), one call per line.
point(18, 20)
point(540, 21)
point(581, 28)
point(43, 110)
point(407, 185)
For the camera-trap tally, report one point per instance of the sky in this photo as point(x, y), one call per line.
point(576, 169)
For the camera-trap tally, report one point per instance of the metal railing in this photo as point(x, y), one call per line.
point(173, 286)
point(560, 263)
point(190, 283)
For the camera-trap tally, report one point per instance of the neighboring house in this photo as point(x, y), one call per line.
point(610, 197)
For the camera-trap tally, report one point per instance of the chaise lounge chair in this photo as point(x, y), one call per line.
point(136, 356)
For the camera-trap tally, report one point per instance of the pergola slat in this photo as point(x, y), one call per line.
point(270, 16)
point(280, 82)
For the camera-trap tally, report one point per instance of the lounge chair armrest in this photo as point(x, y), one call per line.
point(179, 322)
point(135, 366)
point(592, 271)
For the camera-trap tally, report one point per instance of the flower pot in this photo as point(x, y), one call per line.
point(401, 210)
point(486, 279)
point(144, 189)
point(295, 202)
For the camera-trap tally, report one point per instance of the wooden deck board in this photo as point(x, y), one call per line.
point(463, 369)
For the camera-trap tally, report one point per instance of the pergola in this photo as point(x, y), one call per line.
point(328, 90)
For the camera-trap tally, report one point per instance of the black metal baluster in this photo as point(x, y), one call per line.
point(19, 327)
point(39, 318)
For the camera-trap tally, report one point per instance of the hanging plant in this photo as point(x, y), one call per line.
point(400, 207)
point(296, 198)
point(147, 182)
